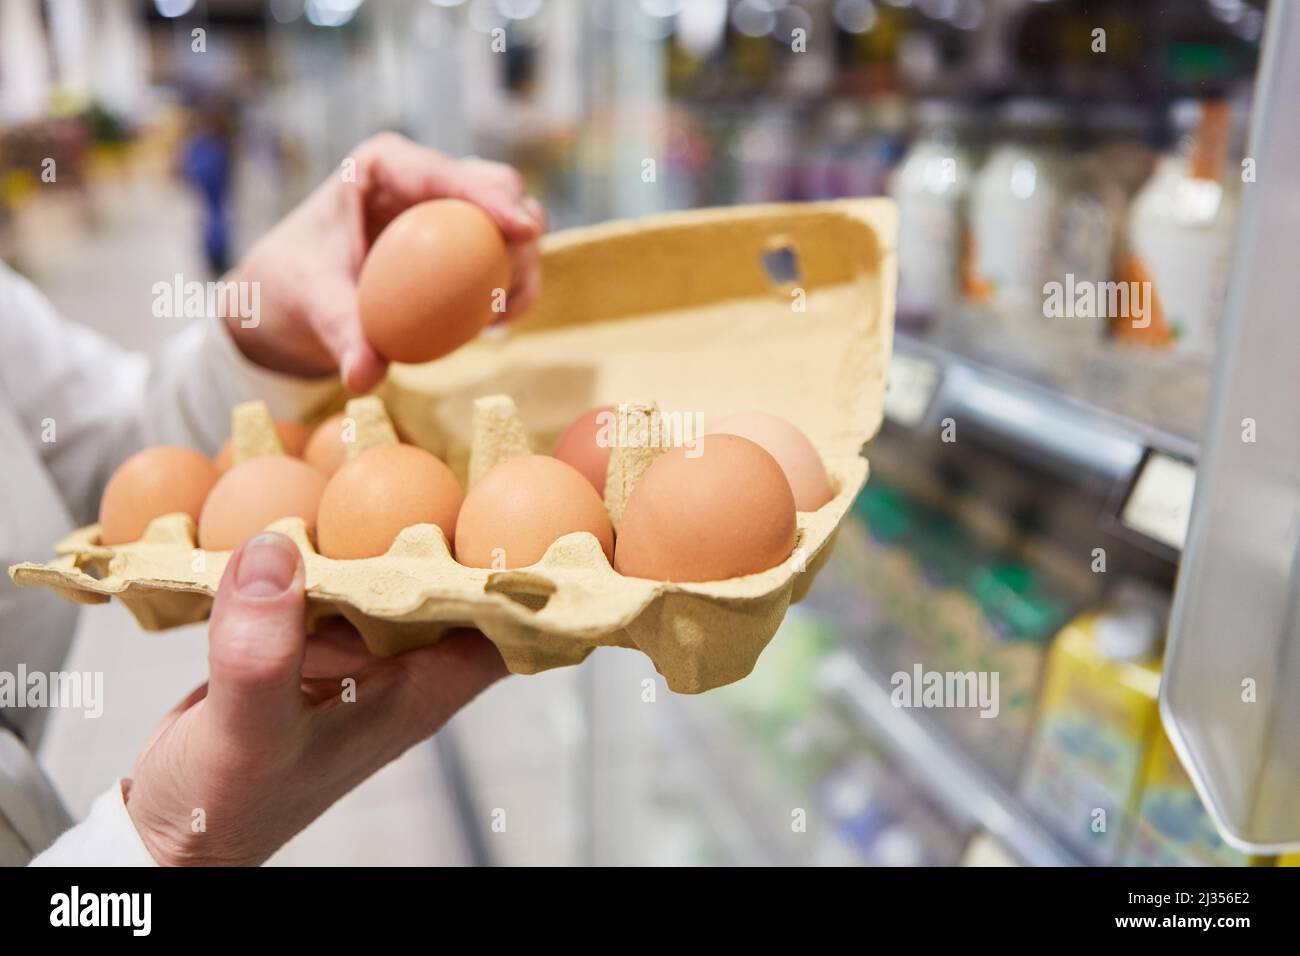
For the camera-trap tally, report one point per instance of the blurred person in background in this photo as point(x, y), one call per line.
point(207, 164)
point(265, 745)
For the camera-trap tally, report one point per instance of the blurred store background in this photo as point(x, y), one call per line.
point(1025, 140)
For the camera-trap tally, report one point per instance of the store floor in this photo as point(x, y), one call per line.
point(405, 814)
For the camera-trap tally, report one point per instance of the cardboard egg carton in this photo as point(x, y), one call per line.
point(781, 308)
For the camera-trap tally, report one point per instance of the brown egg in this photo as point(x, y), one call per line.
point(326, 449)
point(292, 436)
point(725, 513)
point(152, 483)
point(792, 450)
point(255, 493)
point(521, 507)
point(378, 493)
point(429, 283)
point(586, 443)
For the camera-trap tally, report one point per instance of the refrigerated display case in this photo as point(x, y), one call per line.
point(1070, 473)
point(1232, 654)
point(1031, 466)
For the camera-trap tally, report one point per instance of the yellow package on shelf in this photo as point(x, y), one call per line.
point(1097, 717)
point(1173, 827)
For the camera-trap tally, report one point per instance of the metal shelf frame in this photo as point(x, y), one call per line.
point(1046, 424)
point(954, 779)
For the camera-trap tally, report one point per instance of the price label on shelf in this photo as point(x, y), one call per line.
point(910, 387)
point(1160, 504)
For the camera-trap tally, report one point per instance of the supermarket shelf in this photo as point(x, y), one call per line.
point(1081, 405)
point(713, 768)
point(955, 780)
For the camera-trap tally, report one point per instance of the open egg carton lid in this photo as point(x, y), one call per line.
point(675, 319)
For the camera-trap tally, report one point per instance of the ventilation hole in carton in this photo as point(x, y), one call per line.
point(782, 265)
point(527, 590)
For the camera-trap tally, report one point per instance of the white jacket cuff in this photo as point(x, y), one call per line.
point(288, 396)
point(107, 837)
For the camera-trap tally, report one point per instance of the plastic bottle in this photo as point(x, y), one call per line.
point(1094, 210)
point(1015, 208)
point(1180, 235)
point(931, 186)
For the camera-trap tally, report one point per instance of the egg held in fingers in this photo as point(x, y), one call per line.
point(433, 279)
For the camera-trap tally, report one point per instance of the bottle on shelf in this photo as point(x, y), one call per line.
point(1016, 204)
point(931, 186)
point(1180, 236)
point(1108, 170)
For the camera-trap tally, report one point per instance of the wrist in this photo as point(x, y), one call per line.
point(259, 337)
point(170, 842)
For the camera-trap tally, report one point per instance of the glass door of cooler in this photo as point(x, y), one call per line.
point(1233, 659)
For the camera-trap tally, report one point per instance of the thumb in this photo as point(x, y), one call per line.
point(257, 640)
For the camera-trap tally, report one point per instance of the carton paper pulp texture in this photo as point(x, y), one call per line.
point(676, 311)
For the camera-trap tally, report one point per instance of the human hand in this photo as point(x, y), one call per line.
point(307, 265)
point(269, 742)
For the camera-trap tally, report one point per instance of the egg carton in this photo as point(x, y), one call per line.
point(784, 308)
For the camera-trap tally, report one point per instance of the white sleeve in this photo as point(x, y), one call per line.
point(86, 403)
point(107, 837)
